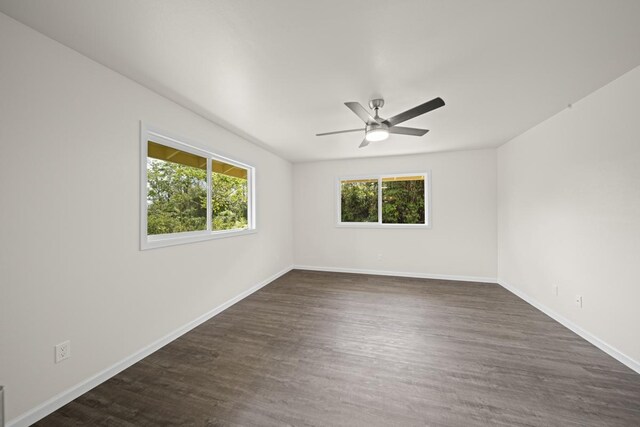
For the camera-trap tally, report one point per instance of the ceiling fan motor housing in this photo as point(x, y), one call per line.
point(375, 126)
point(374, 104)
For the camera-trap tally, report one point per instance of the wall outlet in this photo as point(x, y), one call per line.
point(63, 351)
point(555, 290)
point(579, 301)
point(379, 257)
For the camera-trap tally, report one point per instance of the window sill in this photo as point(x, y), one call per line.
point(153, 242)
point(377, 225)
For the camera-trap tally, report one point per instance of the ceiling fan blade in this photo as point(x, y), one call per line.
point(364, 143)
point(415, 112)
point(361, 112)
point(407, 131)
point(339, 131)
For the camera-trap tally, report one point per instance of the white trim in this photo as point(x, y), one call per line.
point(379, 205)
point(209, 195)
point(377, 225)
point(61, 399)
point(480, 279)
point(380, 224)
point(72, 393)
point(181, 141)
point(192, 237)
point(150, 133)
point(610, 350)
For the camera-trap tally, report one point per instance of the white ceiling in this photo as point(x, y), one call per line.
point(277, 72)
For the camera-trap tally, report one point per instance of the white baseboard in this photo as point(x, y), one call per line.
point(67, 396)
point(398, 274)
point(611, 351)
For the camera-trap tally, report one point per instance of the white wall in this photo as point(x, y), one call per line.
point(569, 213)
point(566, 212)
point(462, 241)
point(70, 266)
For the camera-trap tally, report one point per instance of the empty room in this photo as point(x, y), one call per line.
point(329, 213)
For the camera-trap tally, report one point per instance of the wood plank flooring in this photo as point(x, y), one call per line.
point(329, 349)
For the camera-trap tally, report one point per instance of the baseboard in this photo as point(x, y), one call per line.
point(398, 274)
point(611, 351)
point(67, 396)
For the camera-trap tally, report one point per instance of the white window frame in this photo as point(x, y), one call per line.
point(380, 224)
point(150, 133)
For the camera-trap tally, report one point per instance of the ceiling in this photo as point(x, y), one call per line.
point(277, 72)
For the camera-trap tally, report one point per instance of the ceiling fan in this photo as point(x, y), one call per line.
point(378, 129)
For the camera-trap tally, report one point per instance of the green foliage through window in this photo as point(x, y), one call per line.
point(359, 201)
point(403, 200)
point(229, 202)
point(177, 192)
point(176, 198)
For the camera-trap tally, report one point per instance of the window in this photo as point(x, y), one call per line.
point(190, 194)
point(176, 190)
point(359, 200)
point(229, 197)
point(384, 201)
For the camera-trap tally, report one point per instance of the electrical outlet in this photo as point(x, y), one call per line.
point(555, 290)
point(63, 351)
point(379, 257)
point(579, 301)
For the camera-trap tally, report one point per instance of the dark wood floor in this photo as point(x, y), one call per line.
point(328, 349)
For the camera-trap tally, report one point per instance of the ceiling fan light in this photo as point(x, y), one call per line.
point(377, 135)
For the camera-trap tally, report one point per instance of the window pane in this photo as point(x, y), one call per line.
point(176, 190)
point(229, 196)
point(359, 200)
point(403, 200)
